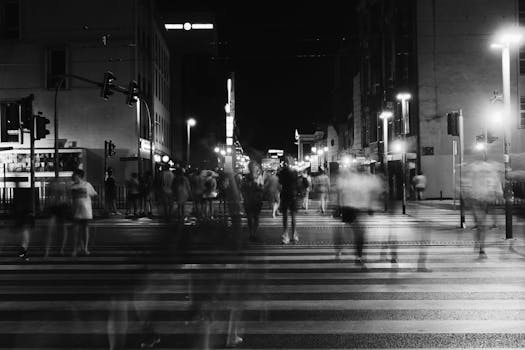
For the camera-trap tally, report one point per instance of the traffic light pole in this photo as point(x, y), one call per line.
point(32, 165)
point(461, 153)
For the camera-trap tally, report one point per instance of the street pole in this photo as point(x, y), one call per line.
point(505, 63)
point(461, 153)
point(385, 161)
point(55, 122)
point(32, 166)
point(188, 144)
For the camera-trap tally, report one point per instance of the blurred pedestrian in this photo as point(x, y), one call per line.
point(166, 191)
point(147, 194)
point(110, 193)
point(305, 185)
point(210, 193)
point(182, 192)
point(288, 179)
point(252, 189)
point(133, 195)
point(323, 188)
point(59, 210)
point(420, 184)
point(197, 188)
point(81, 194)
point(272, 189)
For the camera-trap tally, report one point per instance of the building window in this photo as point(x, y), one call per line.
point(522, 113)
point(57, 64)
point(9, 19)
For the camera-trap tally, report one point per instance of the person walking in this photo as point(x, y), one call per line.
point(272, 189)
point(252, 192)
point(305, 186)
point(323, 188)
point(166, 191)
point(81, 194)
point(420, 184)
point(182, 192)
point(288, 179)
point(133, 195)
point(147, 194)
point(110, 193)
point(59, 208)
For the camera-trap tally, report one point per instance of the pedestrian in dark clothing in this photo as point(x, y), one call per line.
point(110, 193)
point(252, 189)
point(288, 179)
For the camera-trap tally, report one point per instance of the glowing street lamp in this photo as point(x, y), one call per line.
point(216, 150)
point(189, 123)
point(504, 40)
point(385, 115)
point(314, 149)
point(165, 158)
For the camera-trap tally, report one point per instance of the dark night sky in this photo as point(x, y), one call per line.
point(279, 85)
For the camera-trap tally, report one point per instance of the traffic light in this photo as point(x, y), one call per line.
point(26, 111)
point(133, 91)
point(107, 84)
point(491, 138)
point(111, 149)
point(41, 127)
point(453, 123)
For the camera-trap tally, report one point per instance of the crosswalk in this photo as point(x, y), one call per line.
point(272, 296)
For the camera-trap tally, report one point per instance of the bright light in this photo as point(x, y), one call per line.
point(346, 160)
point(229, 150)
point(325, 149)
point(191, 122)
point(223, 152)
point(398, 146)
point(227, 108)
point(307, 158)
point(507, 37)
point(386, 115)
point(403, 96)
point(165, 158)
point(320, 152)
point(171, 163)
point(480, 146)
point(216, 150)
point(202, 26)
point(169, 26)
point(314, 149)
point(229, 141)
point(157, 158)
point(187, 26)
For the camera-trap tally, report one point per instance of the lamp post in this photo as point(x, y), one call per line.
point(404, 97)
point(504, 41)
point(385, 115)
point(189, 124)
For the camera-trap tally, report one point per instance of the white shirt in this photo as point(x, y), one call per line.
point(81, 194)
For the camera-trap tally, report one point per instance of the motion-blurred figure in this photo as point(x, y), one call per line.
point(288, 179)
point(305, 185)
point(59, 208)
point(272, 189)
point(81, 194)
point(359, 194)
point(110, 193)
point(481, 187)
point(420, 184)
point(323, 188)
point(252, 193)
point(133, 195)
point(182, 191)
point(147, 194)
point(166, 192)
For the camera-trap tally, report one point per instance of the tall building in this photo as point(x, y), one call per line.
point(439, 52)
point(42, 39)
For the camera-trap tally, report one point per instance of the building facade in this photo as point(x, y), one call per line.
point(439, 52)
point(40, 40)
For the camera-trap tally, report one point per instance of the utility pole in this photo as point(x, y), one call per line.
point(461, 153)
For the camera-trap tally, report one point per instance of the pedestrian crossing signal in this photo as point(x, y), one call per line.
point(453, 123)
point(41, 127)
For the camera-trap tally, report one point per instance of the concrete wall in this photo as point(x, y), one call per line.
point(457, 69)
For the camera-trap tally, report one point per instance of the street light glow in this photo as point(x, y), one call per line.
point(229, 150)
point(398, 146)
point(165, 158)
point(507, 37)
point(386, 115)
point(314, 149)
point(325, 149)
point(480, 146)
point(216, 150)
point(320, 152)
point(223, 152)
point(191, 122)
point(157, 158)
point(187, 26)
point(403, 96)
point(307, 158)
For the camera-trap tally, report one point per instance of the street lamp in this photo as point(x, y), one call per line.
point(404, 97)
point(314, 149)
point(189, 124)
point(216, 149)
point(385, 115)
point(503, 41)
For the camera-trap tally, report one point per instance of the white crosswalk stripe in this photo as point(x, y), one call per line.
point(282, 297)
